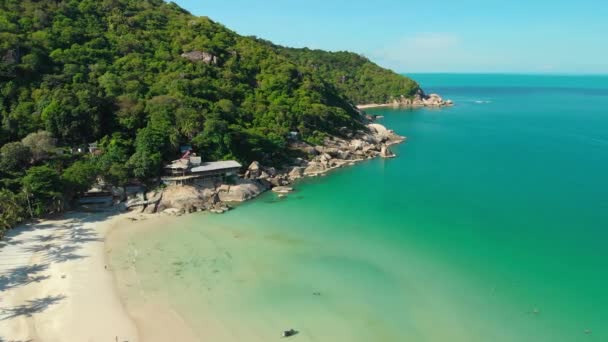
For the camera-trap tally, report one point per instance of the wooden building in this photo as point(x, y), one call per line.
point(190, 170)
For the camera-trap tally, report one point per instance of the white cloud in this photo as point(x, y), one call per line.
point(440, 52)
point(482, 51)
point(424, 51)
point(431, 41)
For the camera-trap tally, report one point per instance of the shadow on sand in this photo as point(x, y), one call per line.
point(30, 308)
point(73, 224)
point(23, 275)
point(52, 242)
point(57, 242)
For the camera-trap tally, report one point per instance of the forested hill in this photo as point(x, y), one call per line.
point(141, 77)
point(354, 76)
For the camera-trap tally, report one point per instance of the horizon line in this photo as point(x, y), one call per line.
point(514, 73)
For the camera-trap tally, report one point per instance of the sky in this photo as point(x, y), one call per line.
point(506, 36)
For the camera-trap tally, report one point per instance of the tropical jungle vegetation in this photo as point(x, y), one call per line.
point(141, 77)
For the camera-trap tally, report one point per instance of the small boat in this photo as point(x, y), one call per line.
point(289, 333)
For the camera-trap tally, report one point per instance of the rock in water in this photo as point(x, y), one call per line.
point(385, 152)
point(282, 189)
point(289, 333)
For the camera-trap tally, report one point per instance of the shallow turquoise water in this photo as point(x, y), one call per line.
point(490, 226)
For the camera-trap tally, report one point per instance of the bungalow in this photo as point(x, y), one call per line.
point(191, 169)
point(97, 198)
point(100, 195)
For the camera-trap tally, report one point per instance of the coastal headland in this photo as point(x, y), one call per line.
point(420, 99)
point(373, 140)
point(94, 111)
point(58, 286)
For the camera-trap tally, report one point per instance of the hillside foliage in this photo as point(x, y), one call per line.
point(73, 72)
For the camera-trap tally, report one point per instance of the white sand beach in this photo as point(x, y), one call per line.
point(374, 105)
point(54, 285)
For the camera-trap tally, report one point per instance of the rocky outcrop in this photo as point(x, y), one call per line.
point(254, 171)
point(186, 198)
point(190, 198)
point(335, 152)
point(200, 56)
point(420, 99)
point(244, 190)
point(296, 173)
point(385, 152)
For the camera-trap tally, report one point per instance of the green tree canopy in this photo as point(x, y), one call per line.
point(14, 157)
point(43, 188)
point(88, 69)
point(79, 177)
point(41, 144)
point(11, 210)
point(141, 78)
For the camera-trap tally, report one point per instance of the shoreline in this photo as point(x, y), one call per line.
point(370, 142)
point(60, 284)
point(155, 321)
point(55, 285)
point(375, 105)
point(158, 321)
point(419, 100)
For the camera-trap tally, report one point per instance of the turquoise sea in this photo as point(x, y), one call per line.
point(491, 225)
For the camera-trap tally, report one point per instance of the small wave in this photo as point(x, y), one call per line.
point(591, 140)
point(482, 101)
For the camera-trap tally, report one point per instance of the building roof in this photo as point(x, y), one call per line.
point(216, 166)
point(196, 161)
point(181, 164)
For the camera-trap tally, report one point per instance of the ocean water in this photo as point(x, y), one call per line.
point(492, 225)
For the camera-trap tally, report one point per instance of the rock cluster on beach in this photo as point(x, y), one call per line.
point(215, 198)
point(336, 152)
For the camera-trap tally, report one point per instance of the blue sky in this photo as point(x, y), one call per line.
point(519, 36)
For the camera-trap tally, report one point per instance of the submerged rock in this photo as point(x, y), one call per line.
point(289, 333)
point(282, 189)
